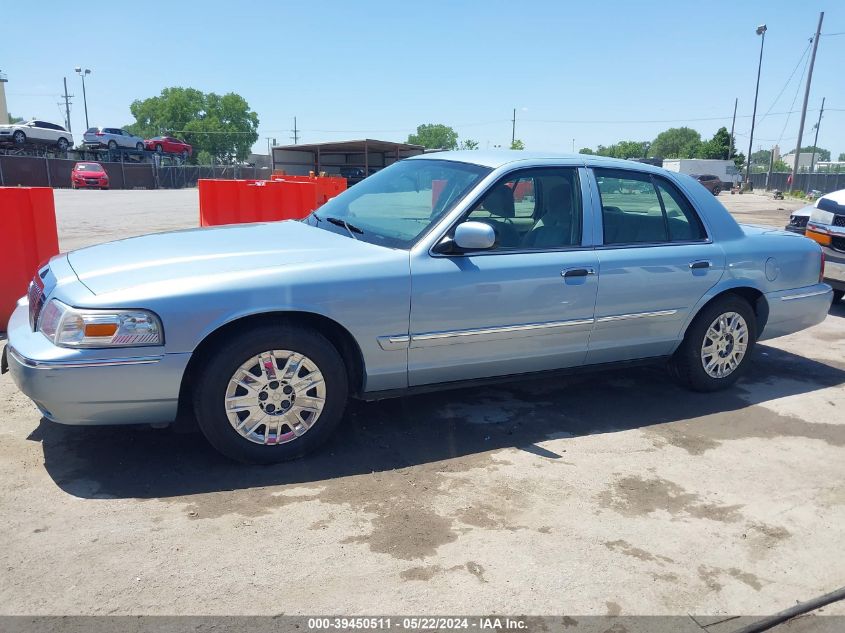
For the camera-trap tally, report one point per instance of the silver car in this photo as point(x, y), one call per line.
point(439, 270)
point(112, 138)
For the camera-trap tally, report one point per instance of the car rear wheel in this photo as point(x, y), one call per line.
point(112, 145)
point(184, 155)
point(837, 295)
point(717, 190)
point(159, 148)
point(715, 351)
point(270, 394)
point(62, 144)
point(19, 137)
point(139, 147)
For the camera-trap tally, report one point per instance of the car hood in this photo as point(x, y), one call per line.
point(210, 255)
point(803, 211)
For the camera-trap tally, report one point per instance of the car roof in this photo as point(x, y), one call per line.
point(499, 158)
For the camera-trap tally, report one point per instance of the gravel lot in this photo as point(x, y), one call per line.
point(603, 494)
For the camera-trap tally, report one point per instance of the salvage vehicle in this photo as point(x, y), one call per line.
point(170, 145)
point(112, 138)
point(428, 274)
point(89, 175)
point(826, 225)
point(37, 133)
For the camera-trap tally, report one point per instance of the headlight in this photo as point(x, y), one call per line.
point(69, 327)
point(821, 217)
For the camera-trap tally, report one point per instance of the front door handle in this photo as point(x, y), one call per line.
point(703, 263)
point(577, 272)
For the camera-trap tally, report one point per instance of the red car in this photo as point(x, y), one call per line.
point(168, 145)
point(89, 176)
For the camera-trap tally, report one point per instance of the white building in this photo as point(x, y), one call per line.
point(803, 160)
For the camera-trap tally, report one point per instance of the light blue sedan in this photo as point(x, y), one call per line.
point(440, 270)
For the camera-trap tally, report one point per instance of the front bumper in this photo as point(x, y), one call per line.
point(93, 386)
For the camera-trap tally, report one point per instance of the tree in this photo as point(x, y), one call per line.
point(842, 156)
point(677, 142)
point(434, 136)
point(761, 157)
point(624, 149)
point(517, 144)
point(586, 150)
point(717, 147)
point(223, 126)
point(821, 153)
point(468, 144)
point(15, 119)
point(780, 166)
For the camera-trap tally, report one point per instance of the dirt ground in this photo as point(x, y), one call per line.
point(600, 494)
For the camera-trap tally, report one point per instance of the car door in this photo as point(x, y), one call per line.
point(524, 305)
point(42, 132)
point(655, 262)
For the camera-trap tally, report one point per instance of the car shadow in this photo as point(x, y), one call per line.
point(140, 462)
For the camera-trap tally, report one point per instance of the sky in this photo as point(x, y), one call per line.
point(579, 74)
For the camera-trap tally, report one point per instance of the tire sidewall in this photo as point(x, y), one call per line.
point(220, 366)
point(687, 361)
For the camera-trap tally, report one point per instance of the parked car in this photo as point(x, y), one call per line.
point(712, 183)
point(264, 330)
point(88, 175)
point(826, 225)
point(355, 175)
point(169, 144)
point(112, 138)
point(36, 132)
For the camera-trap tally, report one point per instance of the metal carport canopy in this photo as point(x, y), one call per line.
point(362, 147)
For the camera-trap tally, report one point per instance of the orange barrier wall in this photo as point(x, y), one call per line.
point(240, 201)
point(327, 186)
point(28, 237)
point(282, 198)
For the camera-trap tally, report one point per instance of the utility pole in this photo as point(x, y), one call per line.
point(806, 99)
point(513, 128)
point(67, 97)
point(295, 131)
point(761, 30)
point(733, 125)
point(816, 140)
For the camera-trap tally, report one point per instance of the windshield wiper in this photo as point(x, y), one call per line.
point(349, 227)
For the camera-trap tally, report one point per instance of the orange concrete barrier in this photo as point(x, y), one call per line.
point(240, 201)
point(28, 238)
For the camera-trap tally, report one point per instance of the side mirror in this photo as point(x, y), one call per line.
point(474, 236)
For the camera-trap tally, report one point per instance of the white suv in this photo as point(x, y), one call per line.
point(112, 137)
point(36, 132)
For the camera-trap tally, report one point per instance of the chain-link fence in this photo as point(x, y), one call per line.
point(803, 182)
point(38, 171)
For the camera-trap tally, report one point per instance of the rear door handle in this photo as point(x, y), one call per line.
point(700, 264)
point(577, 272)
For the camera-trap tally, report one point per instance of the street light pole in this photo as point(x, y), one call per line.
point(82, 74)
point(761, 30)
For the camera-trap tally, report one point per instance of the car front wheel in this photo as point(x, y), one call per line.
point(270, 394)
point(19, 137)
point(714, 353)
point(837, 295)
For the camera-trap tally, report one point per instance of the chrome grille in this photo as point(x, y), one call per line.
point(838, 243)
point(839, 220)
point(35, 296)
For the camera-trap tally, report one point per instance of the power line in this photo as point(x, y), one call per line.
point(791, 75)
point(794, 99)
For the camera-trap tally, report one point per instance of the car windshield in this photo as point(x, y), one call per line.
point(396, 205)
point(88, 167)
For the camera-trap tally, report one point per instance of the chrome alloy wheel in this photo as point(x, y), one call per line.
point(275, 397)
point(724, 345)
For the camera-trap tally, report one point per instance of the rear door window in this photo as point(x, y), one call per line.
point(638, 208)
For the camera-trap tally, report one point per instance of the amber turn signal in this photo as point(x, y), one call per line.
point(100, 329)
point(821, 238)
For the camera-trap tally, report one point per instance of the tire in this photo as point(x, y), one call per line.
point(112, 145)
point(688, 362)
point(19, 137)
point(159, 149)
point(837, 295)
point(184, 156)
point(717, 191)
point(62, 144)
point(276, 440)
point(139, 147)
